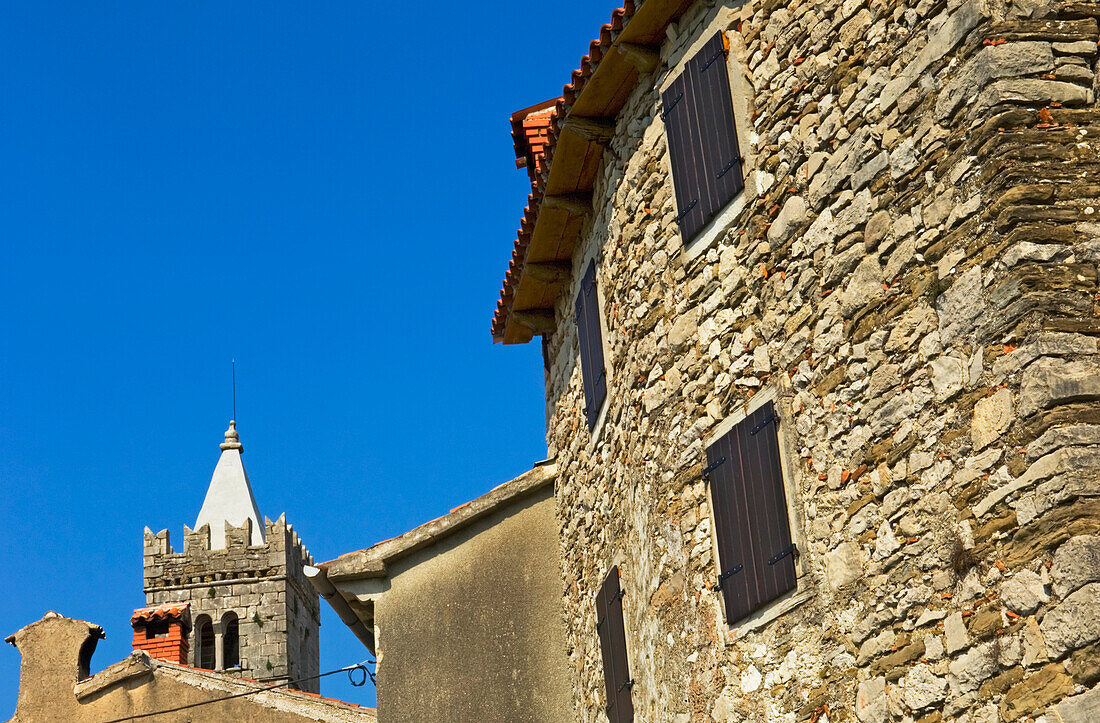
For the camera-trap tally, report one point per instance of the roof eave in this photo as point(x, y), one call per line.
point(627, 49)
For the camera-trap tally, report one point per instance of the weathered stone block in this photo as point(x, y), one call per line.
point(992, 417)
point(1073, 623)
point(999, 61)
point(843, 565)
point(1076, 562)
point(1023, 593)
point(1036, 692)
point(871, 700)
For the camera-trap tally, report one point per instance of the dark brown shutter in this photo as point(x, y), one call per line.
point(750, 514)
point(702, 138)
point(591, 342)
point(616, 671)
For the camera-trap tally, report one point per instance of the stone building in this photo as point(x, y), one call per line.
point(816, 284)
point(253, 612)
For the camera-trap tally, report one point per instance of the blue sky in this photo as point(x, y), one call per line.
point(325, 192)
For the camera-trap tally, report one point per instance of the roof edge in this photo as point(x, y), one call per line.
point(373, 561)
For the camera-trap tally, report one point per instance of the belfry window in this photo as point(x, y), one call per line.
point(231, 641)
point(204, 644)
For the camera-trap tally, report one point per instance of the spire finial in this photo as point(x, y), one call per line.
point(232, 439)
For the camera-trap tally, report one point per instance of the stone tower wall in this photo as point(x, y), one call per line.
point(913, 276)
point(278, 612)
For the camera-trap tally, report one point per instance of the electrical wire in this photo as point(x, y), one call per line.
point(350, 669)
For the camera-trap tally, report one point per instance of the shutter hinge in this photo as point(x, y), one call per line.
point(792, 550)
point(766, 422)
point(670, 106)
point(734, 161)
point(626, 684)
point(687, 210)
point(726, 576)
point(711, 467)
point(619, 595)
point(719, 54)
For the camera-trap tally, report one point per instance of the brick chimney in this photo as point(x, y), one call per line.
point(162, 631)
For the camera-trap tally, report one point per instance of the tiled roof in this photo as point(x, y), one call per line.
point(531, 134)
point(608, 33)
point(164, 611)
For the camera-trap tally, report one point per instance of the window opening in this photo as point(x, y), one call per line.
point(231, 642)
point(204, 638)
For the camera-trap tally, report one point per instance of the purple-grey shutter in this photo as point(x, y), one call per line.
point(612, 631)
point(702, 138)
point(591, 343)
point(750, 510)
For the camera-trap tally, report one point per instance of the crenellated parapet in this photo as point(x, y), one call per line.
point(255, 614)
point(281, 554)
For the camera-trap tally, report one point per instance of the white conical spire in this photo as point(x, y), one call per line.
point(229, 498)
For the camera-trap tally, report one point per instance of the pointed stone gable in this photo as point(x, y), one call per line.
point(229, 498)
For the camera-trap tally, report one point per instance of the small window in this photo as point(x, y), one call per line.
point(591, 341)
point(156, 629)
point(204, 644)
point(697, 109)
point(755, 552)
point(231, 641)
point(616, 671)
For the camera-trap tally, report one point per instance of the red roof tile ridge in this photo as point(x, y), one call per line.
point(163, 610)
point(608, 32)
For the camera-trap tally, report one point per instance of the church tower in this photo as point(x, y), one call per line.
point(253, 611)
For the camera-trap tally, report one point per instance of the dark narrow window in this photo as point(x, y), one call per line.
point(755, 552)
point(231, 641)
point(591, 338)
point(204, 644)
point(702, 138)
point(156, 629)
point(616, 672)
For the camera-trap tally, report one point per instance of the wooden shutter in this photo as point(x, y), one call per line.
point(616, 671)
point(750, 515)
point(702, 138)
point(591, 342)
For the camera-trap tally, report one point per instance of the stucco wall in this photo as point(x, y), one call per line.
point(53, 688)
point(913, 275)
point(470, 628)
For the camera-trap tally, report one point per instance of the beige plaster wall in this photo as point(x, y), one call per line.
point(470, 628)
point(53, 687)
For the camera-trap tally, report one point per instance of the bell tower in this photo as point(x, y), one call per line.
point(253, 612)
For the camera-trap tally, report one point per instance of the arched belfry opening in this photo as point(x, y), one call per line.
point(204, 643)
point(231, 641)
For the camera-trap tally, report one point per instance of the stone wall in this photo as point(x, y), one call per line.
point(914, 275)
point(277, 609)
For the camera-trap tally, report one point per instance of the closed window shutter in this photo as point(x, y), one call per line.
point(750, 513)
point(616, 670)
point(591, 343)
point(702, 138)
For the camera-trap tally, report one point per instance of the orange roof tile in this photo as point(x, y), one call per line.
point(545, 144)
point(161, 612)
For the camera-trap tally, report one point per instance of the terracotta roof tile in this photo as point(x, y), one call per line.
point(161, 612)
point(538, 165)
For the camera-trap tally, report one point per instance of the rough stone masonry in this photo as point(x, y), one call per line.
point(913, 274)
